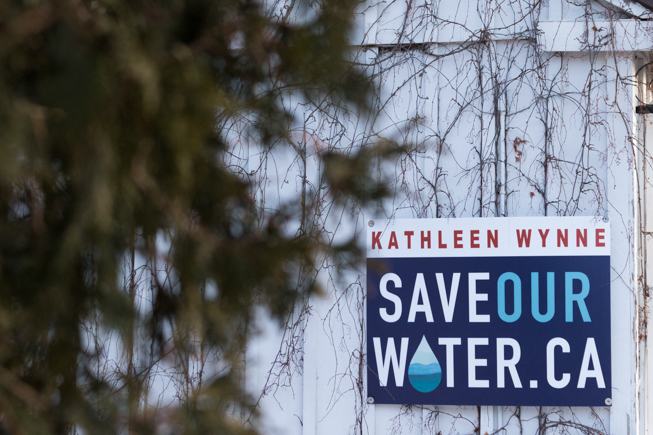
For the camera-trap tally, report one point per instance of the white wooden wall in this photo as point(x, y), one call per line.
point(510, 109)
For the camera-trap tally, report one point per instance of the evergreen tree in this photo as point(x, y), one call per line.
point(113, 145)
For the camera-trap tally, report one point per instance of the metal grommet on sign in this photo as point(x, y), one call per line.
point(608, 401)
point(370, 223)
point(606, 219)
point(370, 400)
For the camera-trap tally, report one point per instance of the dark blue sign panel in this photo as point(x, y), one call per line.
point(523, 330)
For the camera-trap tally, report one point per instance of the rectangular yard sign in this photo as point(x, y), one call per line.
point(494, 311)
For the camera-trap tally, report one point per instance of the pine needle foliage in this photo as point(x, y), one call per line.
point(110, 115)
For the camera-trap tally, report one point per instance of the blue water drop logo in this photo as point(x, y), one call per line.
point(424, 371)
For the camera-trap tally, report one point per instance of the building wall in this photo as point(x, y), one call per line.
point(505, 108)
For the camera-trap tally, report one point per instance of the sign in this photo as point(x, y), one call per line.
point(493, 311)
